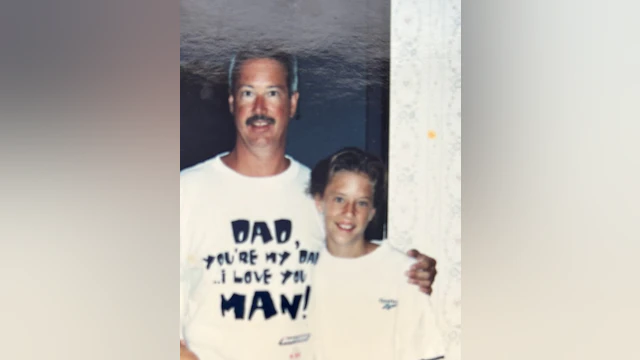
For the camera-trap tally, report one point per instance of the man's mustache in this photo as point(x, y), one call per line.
point(255, 118)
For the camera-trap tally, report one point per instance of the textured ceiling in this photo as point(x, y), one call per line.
point(327, 30)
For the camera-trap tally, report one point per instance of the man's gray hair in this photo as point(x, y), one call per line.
point(289, 61)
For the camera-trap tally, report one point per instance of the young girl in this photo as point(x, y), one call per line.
point(361, 305)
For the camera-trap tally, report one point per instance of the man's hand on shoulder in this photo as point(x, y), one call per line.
point(423, 272)
point(186, 354)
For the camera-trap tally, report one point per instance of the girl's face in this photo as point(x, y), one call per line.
point(347, 206)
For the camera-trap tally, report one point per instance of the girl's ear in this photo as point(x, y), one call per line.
point(318, 201)
point(372, 213)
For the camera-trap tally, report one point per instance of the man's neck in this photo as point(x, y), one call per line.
point(257, 163)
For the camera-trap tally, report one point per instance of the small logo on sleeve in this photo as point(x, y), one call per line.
point(388, 304)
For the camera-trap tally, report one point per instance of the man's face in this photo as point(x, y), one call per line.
point(261, 104)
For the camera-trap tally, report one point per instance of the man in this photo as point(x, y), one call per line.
point(249, 234)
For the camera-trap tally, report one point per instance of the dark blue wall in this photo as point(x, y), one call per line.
point(329, 118)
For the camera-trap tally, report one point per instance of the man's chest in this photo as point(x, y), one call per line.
point(251, 238)
point(231, 220)
point(253, 262)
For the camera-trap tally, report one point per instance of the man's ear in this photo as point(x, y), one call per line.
point(293, 107)
point(231, 100)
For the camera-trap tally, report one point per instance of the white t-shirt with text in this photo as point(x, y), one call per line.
point(247, 248)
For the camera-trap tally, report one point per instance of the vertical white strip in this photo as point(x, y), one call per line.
point(425, 146)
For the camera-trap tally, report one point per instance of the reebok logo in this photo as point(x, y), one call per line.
point(388, 304)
